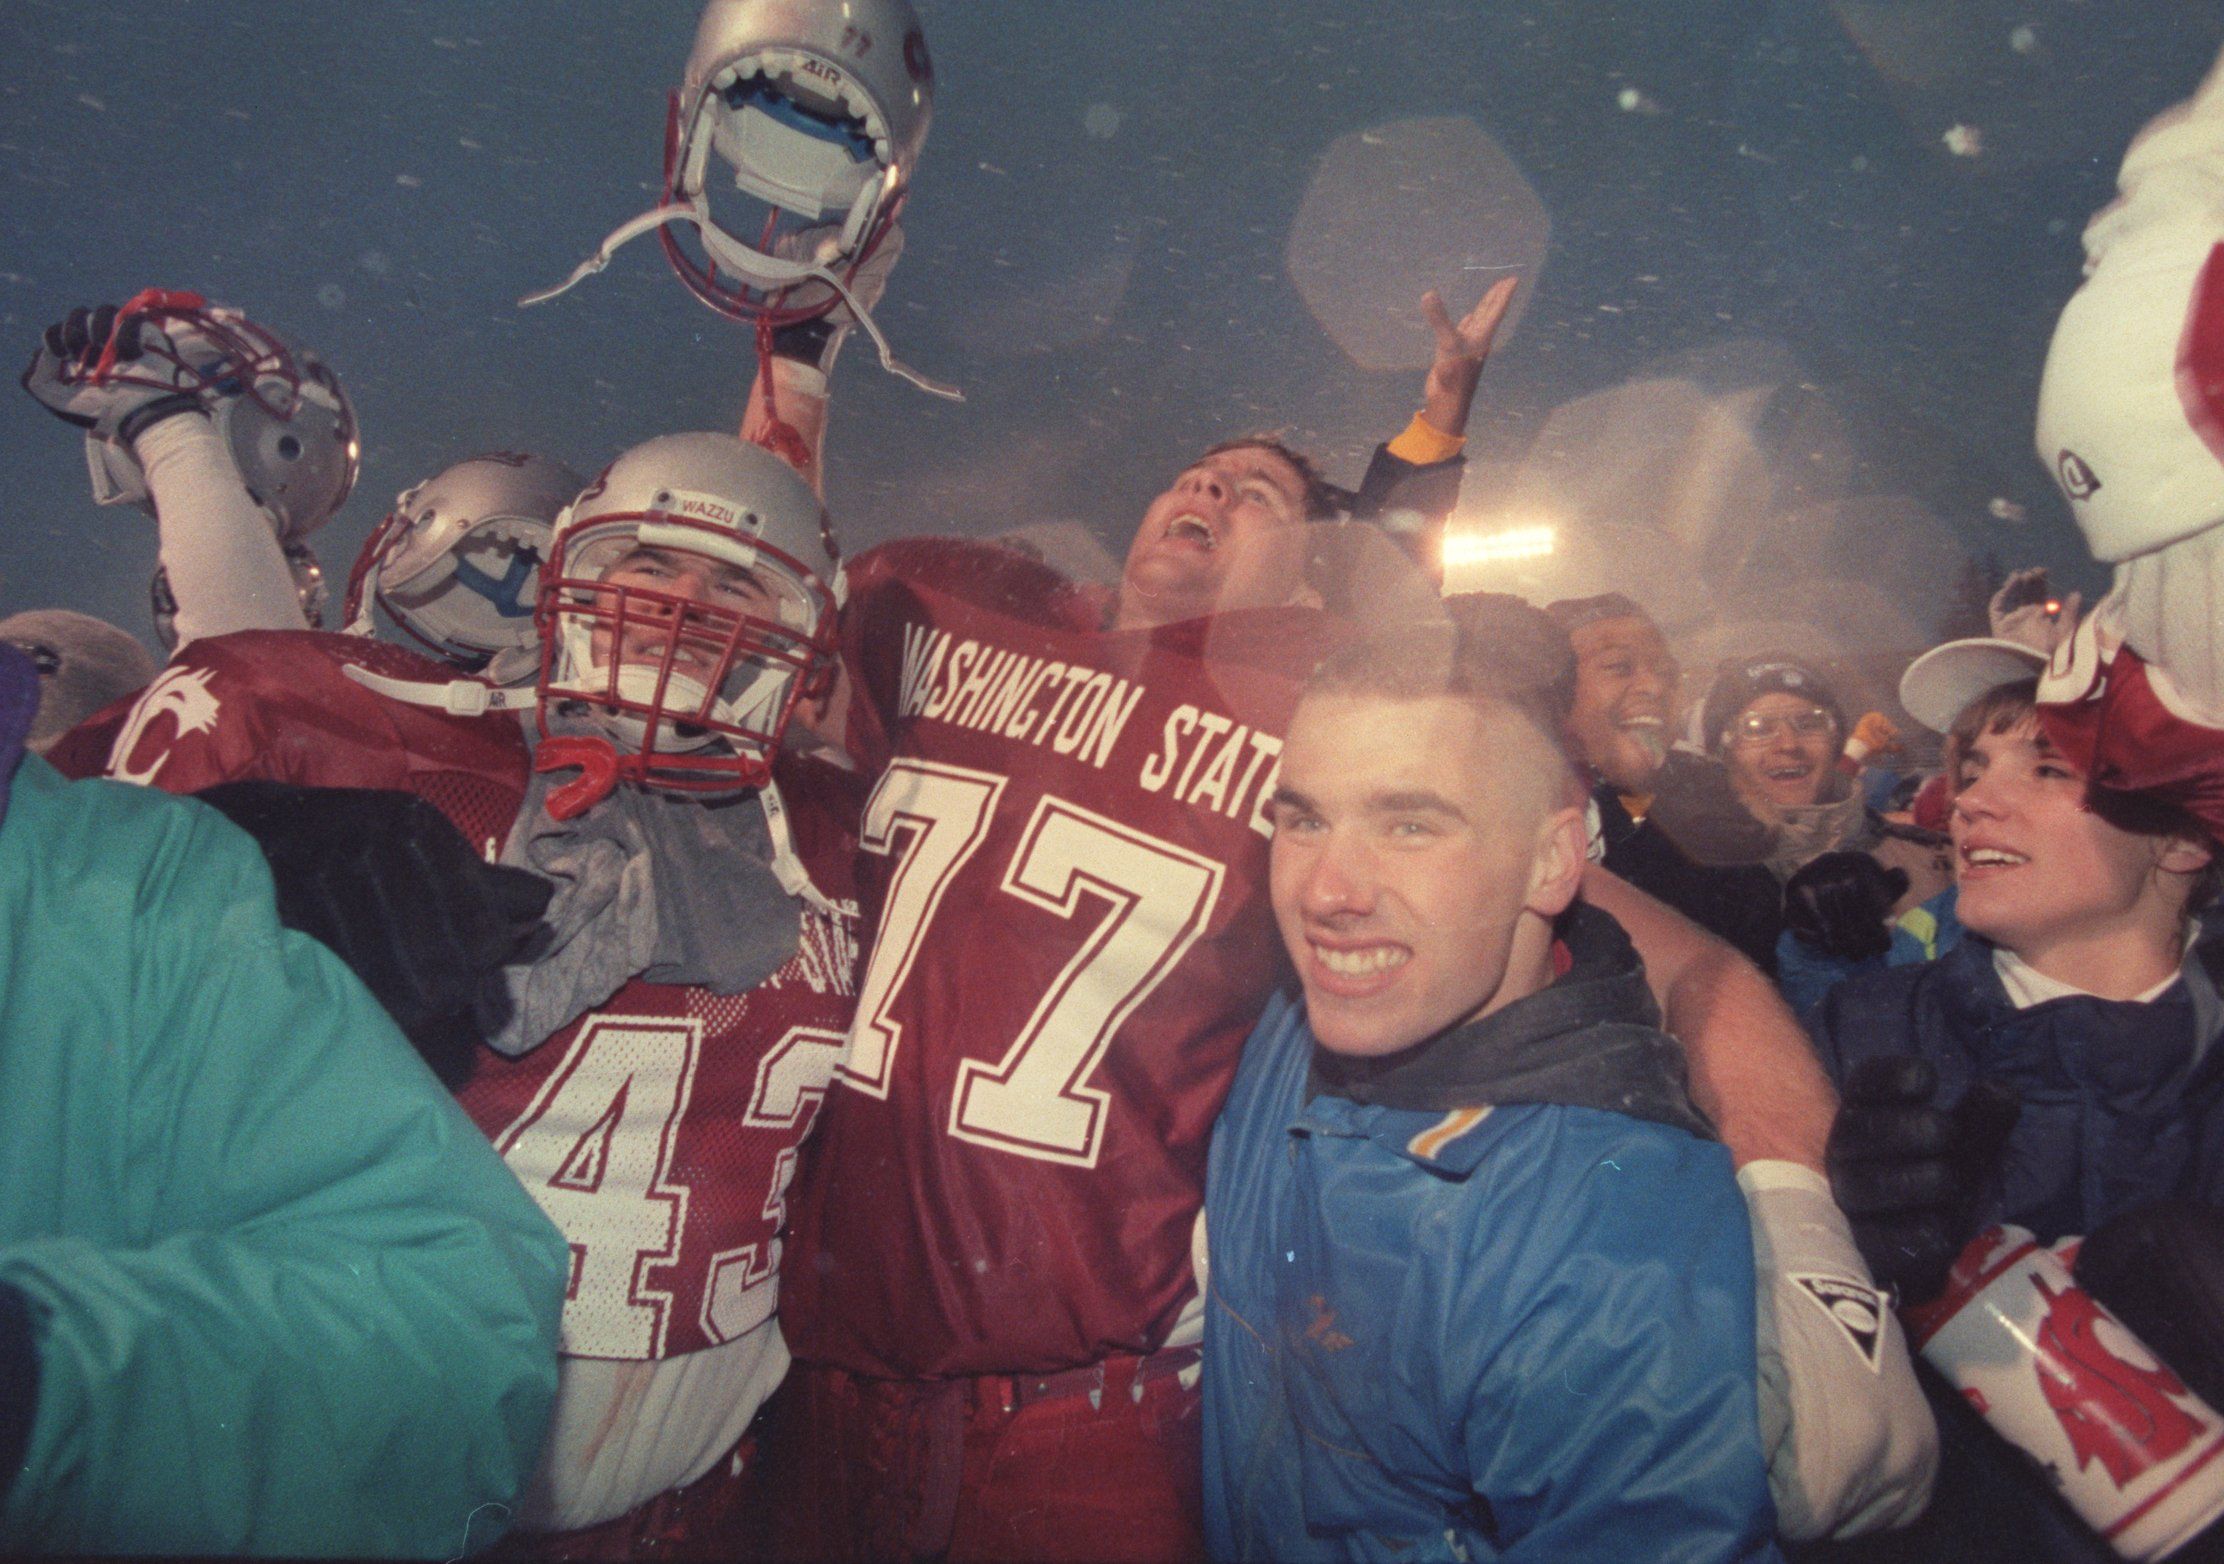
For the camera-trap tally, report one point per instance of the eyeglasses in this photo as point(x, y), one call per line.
point(1754, 729)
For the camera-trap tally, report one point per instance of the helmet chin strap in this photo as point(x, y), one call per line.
point(745, 260)
point(786, 865)
point(365, 592)
point(457, 697)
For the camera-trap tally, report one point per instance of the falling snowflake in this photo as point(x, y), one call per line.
point(2005, 509)
point(2024, 41)
point(1633, 101)
point(1102, 121)
point(1964, 140)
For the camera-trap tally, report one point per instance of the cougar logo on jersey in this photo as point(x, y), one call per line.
point(826, 958)
point(182, 693)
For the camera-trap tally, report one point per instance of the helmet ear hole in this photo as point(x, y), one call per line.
point(289, 448)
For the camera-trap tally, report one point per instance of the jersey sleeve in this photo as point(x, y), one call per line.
point(341, 1337)
point(1613, 1409)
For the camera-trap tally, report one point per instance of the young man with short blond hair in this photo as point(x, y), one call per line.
point(1481, 1280)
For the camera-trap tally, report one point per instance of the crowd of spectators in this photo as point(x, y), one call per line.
point(442, 1157)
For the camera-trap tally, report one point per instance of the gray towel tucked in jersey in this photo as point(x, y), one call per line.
point(652, 885)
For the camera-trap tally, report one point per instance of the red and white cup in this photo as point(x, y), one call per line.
point(2135, 1452)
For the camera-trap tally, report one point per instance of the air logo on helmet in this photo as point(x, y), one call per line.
point(2079, 481)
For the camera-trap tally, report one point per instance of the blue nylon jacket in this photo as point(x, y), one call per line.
point(2123, 1102)
point(1522, 1332)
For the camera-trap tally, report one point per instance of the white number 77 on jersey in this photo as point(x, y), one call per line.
point(1156, 898)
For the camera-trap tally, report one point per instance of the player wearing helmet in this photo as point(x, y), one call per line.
point(992, 1284)
point(240, 445)
point(656, 1063)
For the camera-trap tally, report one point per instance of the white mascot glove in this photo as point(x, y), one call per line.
point(1850, 1442)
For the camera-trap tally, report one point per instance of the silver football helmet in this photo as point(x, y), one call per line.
point(812, 114)
point(688, 605)
point(281, 412)
point(456, 563)
point(818, 111)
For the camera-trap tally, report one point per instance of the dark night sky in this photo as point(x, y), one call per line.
point(1779, 361)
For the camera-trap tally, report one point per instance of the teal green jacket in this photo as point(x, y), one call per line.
point(285, 1298)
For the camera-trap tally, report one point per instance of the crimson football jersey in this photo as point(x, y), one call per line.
point(1065, 875)
point(658, 1131)
point(278, 705)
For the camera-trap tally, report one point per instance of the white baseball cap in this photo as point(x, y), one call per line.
point(1938, 684)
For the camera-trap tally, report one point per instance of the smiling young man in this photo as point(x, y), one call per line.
point(1481, 1280)
point(989, 1284)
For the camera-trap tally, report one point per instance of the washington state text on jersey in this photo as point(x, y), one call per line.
point(1082, 711)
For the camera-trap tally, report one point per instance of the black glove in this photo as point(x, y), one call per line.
point(1838, 903)
point(393, 888)
point(2160, 1269)
point(1909, 1175)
